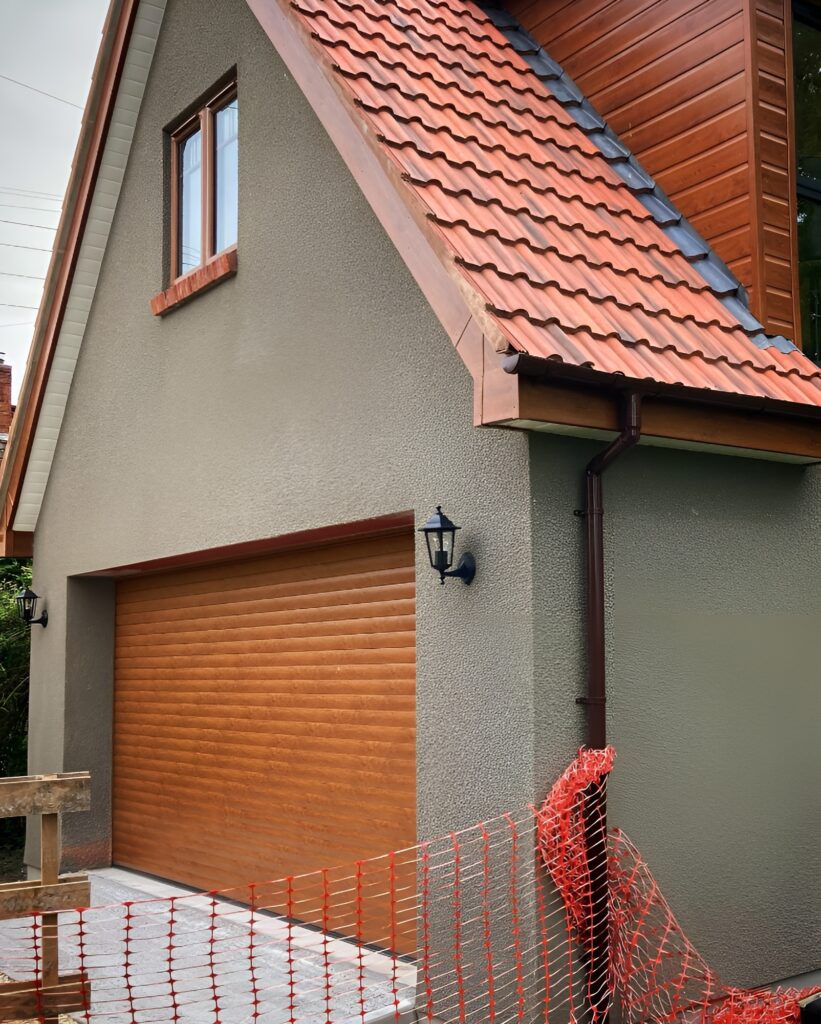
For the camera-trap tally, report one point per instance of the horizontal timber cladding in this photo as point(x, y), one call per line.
point(264, 715)
point(698, 90)
point(777, 210)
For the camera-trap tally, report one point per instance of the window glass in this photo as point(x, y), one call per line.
point(226, 198)
point(190, 227)
point(809, 274)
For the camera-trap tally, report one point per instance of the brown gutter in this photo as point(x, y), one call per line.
point(595, 702)
point(539, 368)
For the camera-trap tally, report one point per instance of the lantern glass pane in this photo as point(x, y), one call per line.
point(26, 604)
point(432, 543)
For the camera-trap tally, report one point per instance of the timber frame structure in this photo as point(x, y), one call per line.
point(49, 796)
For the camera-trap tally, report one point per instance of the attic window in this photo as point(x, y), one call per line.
point(204, 200)
point(204, 179)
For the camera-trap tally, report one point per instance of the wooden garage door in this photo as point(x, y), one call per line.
point(265, 714)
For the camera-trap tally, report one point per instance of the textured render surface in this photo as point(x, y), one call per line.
point(314, 387)
point(556, 230)
point(321, 295)
point(714, 598)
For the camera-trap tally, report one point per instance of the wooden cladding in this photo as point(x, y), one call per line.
point(265, 714)
point(700, 90)
point(774, 196)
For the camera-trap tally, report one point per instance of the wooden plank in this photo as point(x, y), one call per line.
point(21, 899)
point(45, 794)
point(23, 1000)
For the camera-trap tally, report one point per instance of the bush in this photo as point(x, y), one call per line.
point(15, 575)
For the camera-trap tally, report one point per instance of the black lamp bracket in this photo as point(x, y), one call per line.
point(464, 571)
point(41, 621)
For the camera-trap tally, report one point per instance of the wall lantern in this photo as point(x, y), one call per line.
point(27, 608)
point(440, 533)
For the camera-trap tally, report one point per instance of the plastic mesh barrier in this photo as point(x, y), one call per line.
point(656, 974)
point(487, 924)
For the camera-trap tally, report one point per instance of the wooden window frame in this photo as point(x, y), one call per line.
point(202, 120)
point(214, 266)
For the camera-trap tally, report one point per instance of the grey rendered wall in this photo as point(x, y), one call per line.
point(314, 388)
point(714, 595)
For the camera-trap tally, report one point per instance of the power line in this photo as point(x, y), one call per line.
point(33, 277)
point(50, 95)
point(16, 305)
point(14, 245)
point(16, 190)
point(37, 209)
point(27, 224)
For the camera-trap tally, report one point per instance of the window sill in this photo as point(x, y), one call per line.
point(195, 282)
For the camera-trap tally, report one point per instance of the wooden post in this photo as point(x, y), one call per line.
point(48, 995)
point(49, 875)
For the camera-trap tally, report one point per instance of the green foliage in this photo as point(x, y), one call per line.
point(15, 575)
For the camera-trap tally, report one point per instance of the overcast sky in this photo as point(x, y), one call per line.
point(50, 45)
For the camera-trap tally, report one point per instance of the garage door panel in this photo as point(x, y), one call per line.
point(189, 700)
point(363, 621)
point(366, 674)
point(265, 715)
point(397, 600)
point(360, 563)
point(264, 760)
point(276, 640)
point(299, 602)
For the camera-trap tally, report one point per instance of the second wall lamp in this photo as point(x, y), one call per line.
point(440, 534)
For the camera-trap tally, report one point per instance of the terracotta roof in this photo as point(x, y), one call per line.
point(575, 252)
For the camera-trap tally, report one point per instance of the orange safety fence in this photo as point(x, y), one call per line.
point(486, 924)
point(655, 972)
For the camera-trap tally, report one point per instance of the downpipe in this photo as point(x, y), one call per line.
point(595, 702)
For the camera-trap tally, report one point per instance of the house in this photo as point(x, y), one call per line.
point(6, 408)
point(419, 269)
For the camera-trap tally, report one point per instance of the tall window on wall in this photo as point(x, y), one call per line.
point(807, 71)
point(205, 183)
